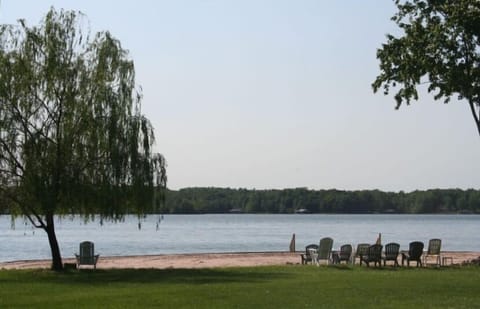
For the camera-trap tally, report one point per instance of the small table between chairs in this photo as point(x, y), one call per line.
point(445, 259)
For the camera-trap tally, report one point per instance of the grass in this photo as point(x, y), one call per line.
point(290, 286)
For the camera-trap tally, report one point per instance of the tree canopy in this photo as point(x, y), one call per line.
point(73, 139)
point(439, 47)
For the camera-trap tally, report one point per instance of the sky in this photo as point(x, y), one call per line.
point(273, 94)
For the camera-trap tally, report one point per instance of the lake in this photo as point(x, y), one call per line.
point(235, 233)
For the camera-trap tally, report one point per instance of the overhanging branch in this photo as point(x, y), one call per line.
point(11, 155)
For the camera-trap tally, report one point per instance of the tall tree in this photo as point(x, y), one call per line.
point(72, 136)
point(440, 46)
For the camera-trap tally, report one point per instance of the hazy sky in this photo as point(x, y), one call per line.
point(277, 94)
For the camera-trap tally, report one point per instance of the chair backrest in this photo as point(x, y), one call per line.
point(307, 249)
point(415, 250)
point(391, 250)
point(362, 249)
point(325, 248)
point(87, 253)
point(375, 252)
point(345, 252)
point(434, 246)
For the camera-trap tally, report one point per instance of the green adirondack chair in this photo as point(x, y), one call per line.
point(307, 257)
point(392, 251)
point(345, 254)
point(324, 251)
point(434, 246)
point(374, 254)
point(87, 255)
point(415, 251)
point(361, 250)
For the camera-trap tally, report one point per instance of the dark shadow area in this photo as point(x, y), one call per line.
point(167, 276)
point(342, 267)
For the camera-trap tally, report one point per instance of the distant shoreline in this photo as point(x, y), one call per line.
point(203, 200)
point(204, 260)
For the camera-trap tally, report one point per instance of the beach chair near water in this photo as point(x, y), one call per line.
point(374, 254)
point(307, 257)
point(433, 250)
point(345, 254)
point(324, 251)
point(415, 251)
point(361, 250)
point(391, 253)
point(87, 255)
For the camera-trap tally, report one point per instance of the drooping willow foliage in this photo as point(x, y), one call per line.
point(72, 136)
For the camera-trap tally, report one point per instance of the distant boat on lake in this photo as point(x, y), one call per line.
point(302, 211)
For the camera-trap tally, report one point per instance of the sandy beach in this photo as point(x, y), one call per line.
point(204, 260)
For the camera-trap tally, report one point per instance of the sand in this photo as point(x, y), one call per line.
point(204, 260)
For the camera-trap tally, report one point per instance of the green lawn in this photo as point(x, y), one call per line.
point(291, 286)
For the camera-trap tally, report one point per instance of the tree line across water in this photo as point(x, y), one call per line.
point(225, 200)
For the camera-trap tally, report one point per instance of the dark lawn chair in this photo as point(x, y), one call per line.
point(87, 255)
point(374, 254)
point(345, 253)
point(391, 253)
point(434, 246)
point(306, 257)
point(362, 249)
point(414, 253)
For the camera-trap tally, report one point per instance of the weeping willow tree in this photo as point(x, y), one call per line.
point(72, 136)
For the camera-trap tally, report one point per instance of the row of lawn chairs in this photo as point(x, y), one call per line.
point(375, 254)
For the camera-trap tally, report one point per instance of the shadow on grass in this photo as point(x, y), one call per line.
point(388, 268)
point(167, 276)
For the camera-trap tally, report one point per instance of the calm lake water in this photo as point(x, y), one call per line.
point(235, 233)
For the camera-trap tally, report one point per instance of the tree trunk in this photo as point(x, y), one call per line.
point(474, 113)
point(57, 264)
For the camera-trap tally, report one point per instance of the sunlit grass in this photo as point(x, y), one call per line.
point(256, 287)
